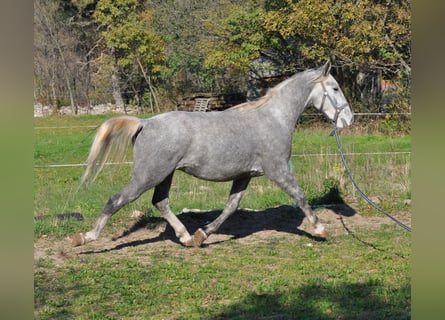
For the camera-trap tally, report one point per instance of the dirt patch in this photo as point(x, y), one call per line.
point(148, 235)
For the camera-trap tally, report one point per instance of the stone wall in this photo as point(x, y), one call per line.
point(44, 111)
point(217, 102)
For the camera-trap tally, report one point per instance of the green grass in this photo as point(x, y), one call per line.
point(365, 275)
point(276, 278)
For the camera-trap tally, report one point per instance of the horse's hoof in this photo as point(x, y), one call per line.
point(189, 243)
point(197, 239)
point(78, 240)
point(320, 231)
point(323, 234)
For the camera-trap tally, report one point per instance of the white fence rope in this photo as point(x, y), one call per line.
point(309, 114)
point(351, 154)
point(47, 166)
point(365, 114)
point(293, 155)
point(77, 165)
point(68, 127)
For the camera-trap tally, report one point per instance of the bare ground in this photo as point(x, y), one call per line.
point(148, 235)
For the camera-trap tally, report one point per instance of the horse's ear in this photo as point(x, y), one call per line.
point(326, 68)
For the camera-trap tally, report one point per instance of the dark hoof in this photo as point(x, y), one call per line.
point(197, 239)
point(78, 240)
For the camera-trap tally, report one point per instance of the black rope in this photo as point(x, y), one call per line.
point(334, 132)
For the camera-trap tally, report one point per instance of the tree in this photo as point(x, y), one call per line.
point(136, 50)
point(181, 24)
point(87, 51)
point(354, 32)
point(53, 54)
point(65, 41)
point(366, 36)
point(235, 35)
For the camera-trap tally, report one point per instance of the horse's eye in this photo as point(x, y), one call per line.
point(336, 89)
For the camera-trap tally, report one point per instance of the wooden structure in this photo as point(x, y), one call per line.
point(201, 104)
point(204, 102)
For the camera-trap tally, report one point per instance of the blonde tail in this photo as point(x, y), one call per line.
point(114, 134)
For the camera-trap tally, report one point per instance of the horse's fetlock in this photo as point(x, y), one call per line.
point(90, 236)
point(187, 241)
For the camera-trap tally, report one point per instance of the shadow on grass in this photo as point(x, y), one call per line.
point(241, 224)
point(316, 301)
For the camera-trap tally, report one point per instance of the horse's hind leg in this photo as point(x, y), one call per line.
point(160, 201)
point(236, 193)
point(128, 194)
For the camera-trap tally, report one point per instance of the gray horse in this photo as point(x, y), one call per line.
point(248, 140)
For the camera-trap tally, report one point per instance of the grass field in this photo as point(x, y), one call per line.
point(270, 272)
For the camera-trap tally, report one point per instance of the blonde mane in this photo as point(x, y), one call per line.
point(253, 105)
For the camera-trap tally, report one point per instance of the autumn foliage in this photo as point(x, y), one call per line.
point(150, 52)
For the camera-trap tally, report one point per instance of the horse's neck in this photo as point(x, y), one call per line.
point(287, 106)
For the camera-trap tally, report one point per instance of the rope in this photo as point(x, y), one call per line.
point(364, 196)
point(303, 115)
point(78, 165)
point(350, 154)
point(43, 166)
point(60, 164)
point(67, 127)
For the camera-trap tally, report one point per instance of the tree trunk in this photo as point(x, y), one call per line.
point(50, 24)
point(117, 95)
point(148, 80)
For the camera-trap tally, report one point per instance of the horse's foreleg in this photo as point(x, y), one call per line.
point(287, 183)
point(161, 202)
point(114, 204)
point(236, 193)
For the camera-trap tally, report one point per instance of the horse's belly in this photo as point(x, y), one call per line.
point(221, 173)
point(220, 155)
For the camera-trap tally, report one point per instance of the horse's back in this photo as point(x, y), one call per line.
point(212, 146)
point(200, 127)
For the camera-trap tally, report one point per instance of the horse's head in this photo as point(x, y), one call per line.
point(327, 97)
